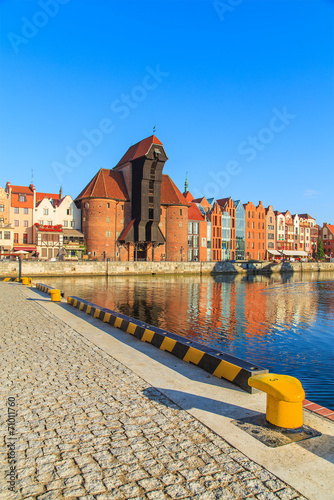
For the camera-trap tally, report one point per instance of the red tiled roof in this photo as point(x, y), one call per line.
point(41, 196)
point(188, 196)
point(170, 194)
point(198, 200)
point(106, 184)
point(21, 190)
point(194, 212)
point(138, 150)
point(330, 227)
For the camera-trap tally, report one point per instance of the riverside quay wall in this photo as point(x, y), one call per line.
point(93, 268)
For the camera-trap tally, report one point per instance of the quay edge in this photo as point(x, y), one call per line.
point(94, 268)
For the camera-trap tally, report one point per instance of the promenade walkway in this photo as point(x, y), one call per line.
point(88, 427)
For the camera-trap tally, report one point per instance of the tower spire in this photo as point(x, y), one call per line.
point(186, 184)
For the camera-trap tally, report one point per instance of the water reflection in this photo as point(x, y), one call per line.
point(282, 323)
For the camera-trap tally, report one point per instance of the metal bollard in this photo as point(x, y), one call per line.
point(25, 281)
point(55, 295)
point(285, 397)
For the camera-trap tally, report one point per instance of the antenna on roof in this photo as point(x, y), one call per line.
point(154, 128)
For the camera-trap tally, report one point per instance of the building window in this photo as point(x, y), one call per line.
point(50, 223)
point(22, 197)
point(108, 205)
point(16, 223)
point(150, 213)
point(25, 238)
point(65, 223)
point(122, 208)
point(108, 219)
point(108, 234)
point(25, 211)
point(196, 227)
point(87, 206)
point(180, 211)
point(6, 235)
point(190, 228)
point(16, 210)
point(72, 223)
point(25, 223)
point(69, 211)
point(16, 237)
point(2, 208)
point(45, 211)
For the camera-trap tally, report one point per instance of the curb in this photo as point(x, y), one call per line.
point(216, 363)
point(47, 288)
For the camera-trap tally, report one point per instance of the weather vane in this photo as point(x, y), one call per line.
point(154, 129)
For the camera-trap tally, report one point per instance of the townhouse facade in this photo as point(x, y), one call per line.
point(255, 231)
point(6, 229)
point(327, 237)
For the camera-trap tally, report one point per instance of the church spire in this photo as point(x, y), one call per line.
point(186, 184)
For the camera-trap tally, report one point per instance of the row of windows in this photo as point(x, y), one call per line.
point(17, 223)
point(17, 210)
point(50, 223)
point(16, 238)
point(193, 227)
point(253, 245)
point(253, 225)
point(260, 216)
point(258, 235)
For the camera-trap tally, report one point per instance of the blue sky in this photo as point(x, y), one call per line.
point(241, 94)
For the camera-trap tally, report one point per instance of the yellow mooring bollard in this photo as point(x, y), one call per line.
point(55, 295)
point(25, 281)
point(285, 397)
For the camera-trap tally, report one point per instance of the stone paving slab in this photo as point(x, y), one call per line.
point(85, 426)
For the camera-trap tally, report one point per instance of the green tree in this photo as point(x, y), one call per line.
point(320, 252)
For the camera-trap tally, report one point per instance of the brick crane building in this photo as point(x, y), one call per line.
point(134, 211)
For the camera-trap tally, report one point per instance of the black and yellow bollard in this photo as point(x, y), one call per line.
point(25, 281)
point(285, 397)
point(55, 295)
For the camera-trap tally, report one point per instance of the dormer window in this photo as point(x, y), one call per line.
point(22, 197)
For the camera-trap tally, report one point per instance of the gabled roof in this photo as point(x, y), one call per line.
point(41, 196)
point(194, 213)
point(330, 227)
point(21, 189)
point(170, 194)
point(306, 216)
point(106, 184)
point(188, 196)
point(138, 150)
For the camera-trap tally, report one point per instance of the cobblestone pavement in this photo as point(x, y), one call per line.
point(87, 427)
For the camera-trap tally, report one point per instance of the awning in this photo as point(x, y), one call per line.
point(296, 253)
point(274, 252)
point(25, 248)
point(72, 233)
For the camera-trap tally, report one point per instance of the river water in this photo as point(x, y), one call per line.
point(283, 323)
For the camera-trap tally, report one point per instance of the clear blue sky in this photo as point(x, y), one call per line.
point(241, 94)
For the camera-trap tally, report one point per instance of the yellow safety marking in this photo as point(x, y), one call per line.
point(106, 317)
point(7, 279)
point(16, 279)
point(168, 344)
point(75, 302)
point(69, 300)
point(97, 313)
point(226, 370)
point(81, 306)
point(193, 356)
point(131, 328)
point(148, 336)
point(118, 322)
point(88, 309)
